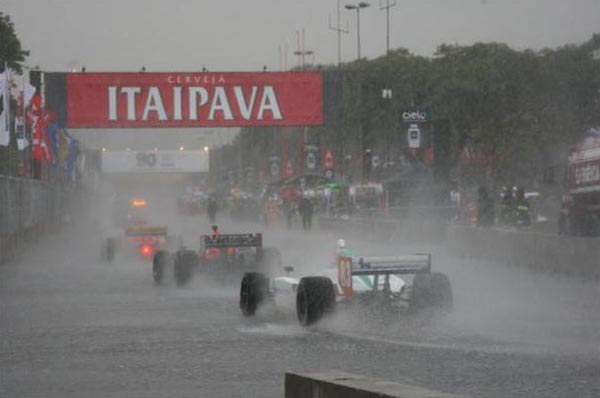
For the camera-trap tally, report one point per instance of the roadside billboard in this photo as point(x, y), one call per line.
point(154, 162)
point(228, 99)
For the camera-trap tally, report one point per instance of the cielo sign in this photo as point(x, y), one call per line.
point(116, 100)
point(416, 115)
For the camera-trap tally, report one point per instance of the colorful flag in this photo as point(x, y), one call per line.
point(42, 120)
point(70, 153)
point(52, 139)
point(22, 141)
point(63, 148)
point(24, 98)
point(28, 92)
point(73, 155)
point(38, 151)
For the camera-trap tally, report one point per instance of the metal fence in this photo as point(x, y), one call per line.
point(27, 208)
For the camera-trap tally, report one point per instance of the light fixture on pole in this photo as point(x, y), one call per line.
point(386, 5)
point(386, 94)
point(301, 52)
point(357, 7)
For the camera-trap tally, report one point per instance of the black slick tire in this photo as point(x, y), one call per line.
point(315, 297)
point(159, 265)
point(253, 292)
point(184, 265)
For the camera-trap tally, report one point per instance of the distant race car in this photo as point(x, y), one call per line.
point(137, 212)
point(144, 239)
point(401, 284)
point(224, 254)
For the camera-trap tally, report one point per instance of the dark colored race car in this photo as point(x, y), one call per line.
point(225, 255)
point(143, 239)
point(137, 236)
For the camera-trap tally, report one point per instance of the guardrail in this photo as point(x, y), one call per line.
point(27, 208)
point(337, 384)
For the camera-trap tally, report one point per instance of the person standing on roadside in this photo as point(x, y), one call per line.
point(211, 209)
point(506, 207)
point(522, 217)
point(485, 208)
point(305, 208)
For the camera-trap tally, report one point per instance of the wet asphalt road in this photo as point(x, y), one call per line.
point(72, 326)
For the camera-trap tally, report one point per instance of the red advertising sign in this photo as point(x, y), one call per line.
point(328, 159)
point(117, 100)
point(585, 176)
point(289, 169)
point(584, 169)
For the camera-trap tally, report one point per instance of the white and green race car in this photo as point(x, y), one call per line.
point(398, 284)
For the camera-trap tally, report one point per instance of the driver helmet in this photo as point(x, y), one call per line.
point(341, 244)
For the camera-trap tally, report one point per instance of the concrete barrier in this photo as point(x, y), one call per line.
point(388, 229)
point(338, 384)
point(541, 252)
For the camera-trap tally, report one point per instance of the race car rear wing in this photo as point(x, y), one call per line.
point(231, 240)
point(397, 265)
point(144, 230)
point(410, 264)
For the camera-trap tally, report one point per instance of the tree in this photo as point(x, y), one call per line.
point(523, 108)
point(10, 45)
point(11, 53)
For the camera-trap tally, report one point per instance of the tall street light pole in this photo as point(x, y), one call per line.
point(386, 6)
point(339, 29)
point(357, 7)
point(301, 53)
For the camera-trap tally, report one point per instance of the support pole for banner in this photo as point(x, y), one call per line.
point(22, 156)
point(6, 121)
point(283, 151)
point(45, 170)
point(303, 146)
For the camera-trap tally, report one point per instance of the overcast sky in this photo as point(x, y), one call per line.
point(229, 35)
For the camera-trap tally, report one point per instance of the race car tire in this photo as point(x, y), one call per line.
point(109, 249)
point(270, 260)
point(183, 268)
point(253, 291)
point(159, 265)
point(432, 291)
point(315, 297)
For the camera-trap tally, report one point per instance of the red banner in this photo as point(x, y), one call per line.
point(584, 176)
point(115, 100)
point(328, 159)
